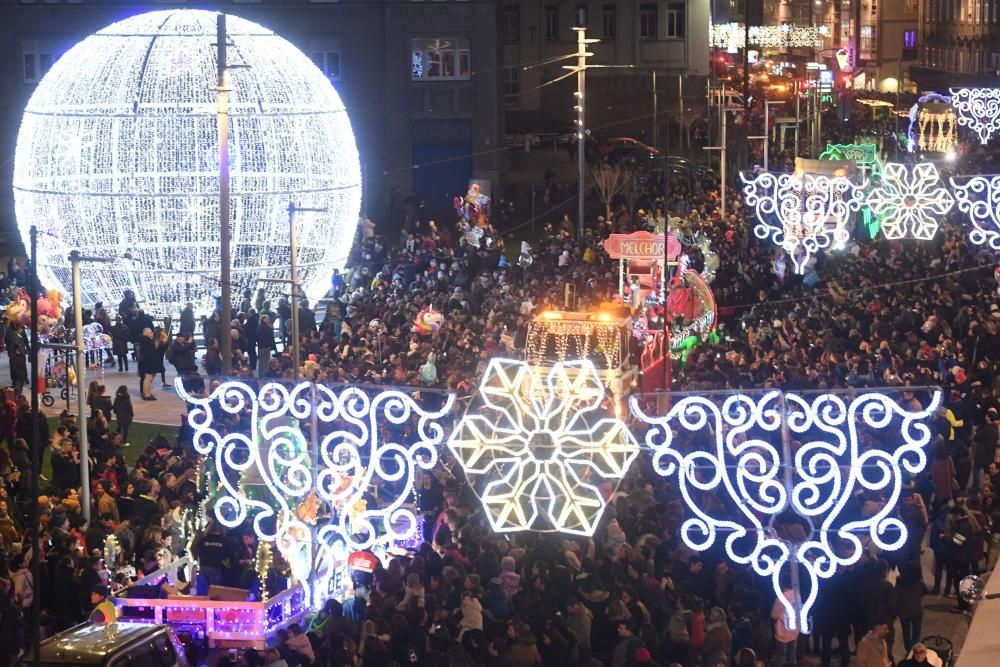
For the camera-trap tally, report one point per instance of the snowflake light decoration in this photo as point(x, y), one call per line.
point(802, 213)
point(979, 110)
point(540, 455)
point(118, 153)
point(777, 508)
point(307, 458)
point(980, 200)
point(910, 199)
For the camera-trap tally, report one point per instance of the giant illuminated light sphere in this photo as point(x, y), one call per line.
point(118, 156)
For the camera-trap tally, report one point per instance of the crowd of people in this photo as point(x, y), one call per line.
point(905, 314)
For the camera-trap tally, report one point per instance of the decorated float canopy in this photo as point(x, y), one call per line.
point(117, 156)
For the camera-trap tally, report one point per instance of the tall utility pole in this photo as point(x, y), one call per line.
point(723, 156)
point(36, 455)
point(581, 127)
point(225, 258)
point(75, 259)
point(293, 257)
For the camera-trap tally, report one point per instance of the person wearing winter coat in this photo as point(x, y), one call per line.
point(910, 592)
point(579, 621)
point(718, 645)
point(472, 614)
point(510, 580)
point(124, 412)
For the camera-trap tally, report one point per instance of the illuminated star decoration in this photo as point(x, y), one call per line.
point(802, 213)
point(979, 110)
point(276, 474)
point(777, 508)
point(980, 200)
point(910, 199)
point(542, 455)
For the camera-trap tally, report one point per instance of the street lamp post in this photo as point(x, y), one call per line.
point(75, 259)
point(722, 164)
point(767, 130)
point(225, 258)
point(293, 252)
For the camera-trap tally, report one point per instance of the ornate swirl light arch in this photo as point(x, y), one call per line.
point(979, 198)
point(788, 499)
point(979, 110)
point(802, 213)
point(307, 490)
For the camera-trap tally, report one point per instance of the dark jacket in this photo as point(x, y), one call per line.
point(120, 337)
point(265, 338)
point(187, 321)
point(148, 356)
point(124, 412)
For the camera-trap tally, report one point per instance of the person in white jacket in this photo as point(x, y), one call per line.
point(472, 614)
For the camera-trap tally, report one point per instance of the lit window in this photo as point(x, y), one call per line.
point(438, 58)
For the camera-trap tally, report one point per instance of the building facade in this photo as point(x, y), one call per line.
point(420, 79)
point(958, 43)
point(637, 38)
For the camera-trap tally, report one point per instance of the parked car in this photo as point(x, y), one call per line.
point(111, 645)
point(627, 149)
point(516, 137)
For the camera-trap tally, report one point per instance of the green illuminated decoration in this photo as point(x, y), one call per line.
point(865, 156)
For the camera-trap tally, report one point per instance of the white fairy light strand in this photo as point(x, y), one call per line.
point(536, 453)
point(911, 200)
point(979, 110)
point(979, 198)
point(118, 153)
point(815, 484)
point(337, 470)
point(802, 213)
point(733, 36)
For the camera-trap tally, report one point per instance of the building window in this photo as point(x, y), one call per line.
point(36, 57)
point(328, 63)
point(647, 20)
point(909, 39)
point(551, 21)
point(440, 58)
point(609, 20)
point(675, 19)
point(512, 23)
point(511, 85)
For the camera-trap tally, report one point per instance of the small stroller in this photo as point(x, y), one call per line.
point(942, 646)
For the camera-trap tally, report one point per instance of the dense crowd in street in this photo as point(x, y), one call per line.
point(878, 313)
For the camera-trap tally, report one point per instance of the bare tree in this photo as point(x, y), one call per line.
point(631, 193)
point(609, 181)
